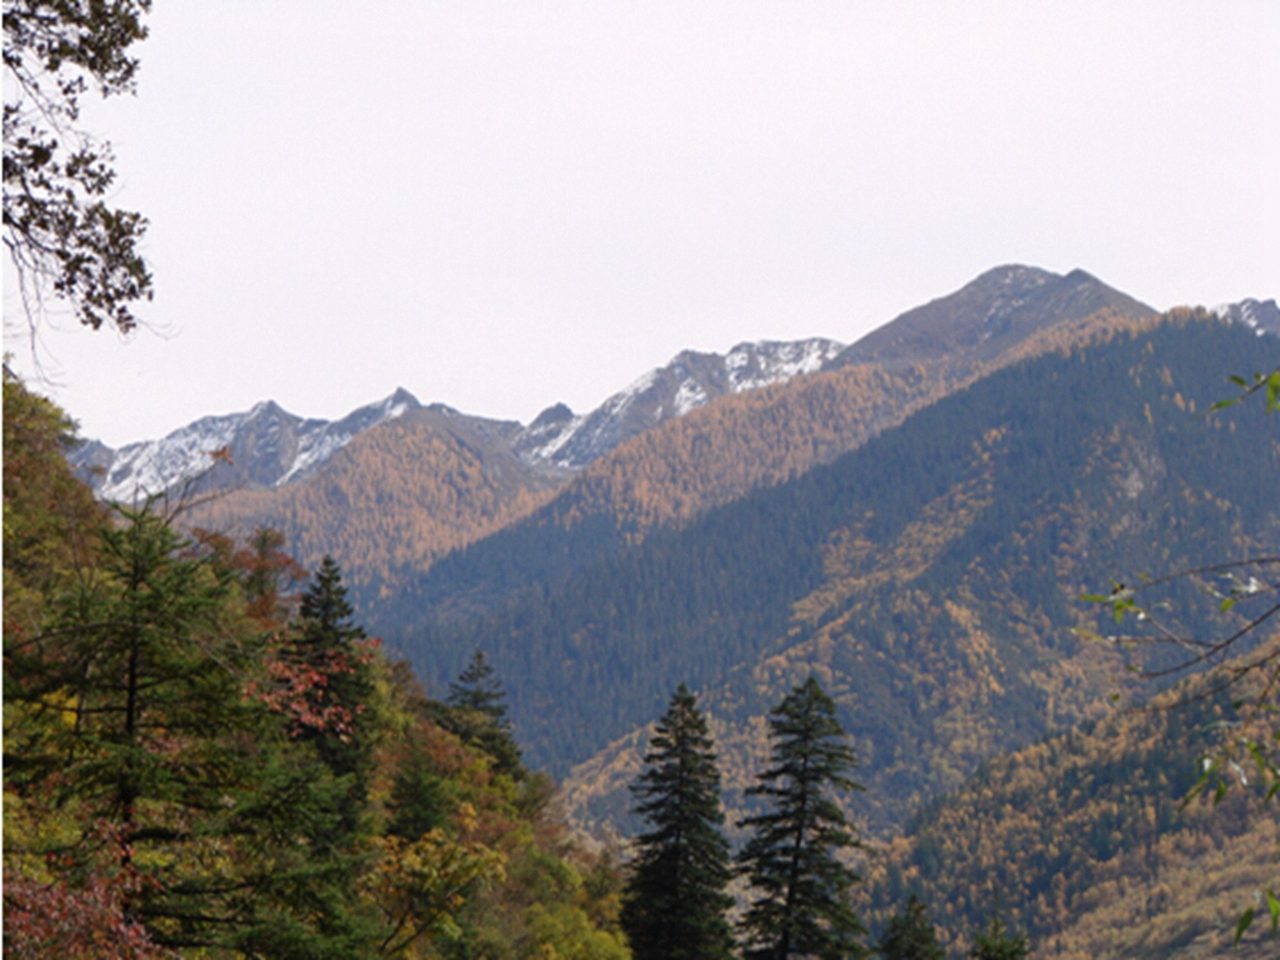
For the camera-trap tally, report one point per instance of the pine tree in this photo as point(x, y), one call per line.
point(910, 935)
point(476, 711)
point(802, 907)
point(477, 688)
point(674, 905)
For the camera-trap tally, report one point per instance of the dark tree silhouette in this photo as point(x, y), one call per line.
point(674, 905)
point(802, 906)
point(61, 235)
point(910, 936)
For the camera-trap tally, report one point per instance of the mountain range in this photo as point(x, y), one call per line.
point(267, 447)
point(912, 518)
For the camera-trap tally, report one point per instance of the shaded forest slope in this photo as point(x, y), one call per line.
point(736, 444)
point(929, 577)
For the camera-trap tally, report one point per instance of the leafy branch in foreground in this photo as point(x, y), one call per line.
point(1245, 660)
point(61, 236)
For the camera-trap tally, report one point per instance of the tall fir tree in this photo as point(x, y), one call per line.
point(910, 936)
point(674, 904)
point(327, 643)
point(802, 891)
point(476, 711)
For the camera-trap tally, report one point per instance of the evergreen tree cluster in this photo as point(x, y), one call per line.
point(674, 903)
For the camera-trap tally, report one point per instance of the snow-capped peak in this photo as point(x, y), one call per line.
point(1261, 316)
point(268, 446)
point(561, 438)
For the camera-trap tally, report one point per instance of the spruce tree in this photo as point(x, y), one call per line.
point(802, 905)
point(326, 641)
point(674, 904)
point(476, 711)
point(910, 935)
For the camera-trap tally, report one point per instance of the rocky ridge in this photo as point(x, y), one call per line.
point(267, 447)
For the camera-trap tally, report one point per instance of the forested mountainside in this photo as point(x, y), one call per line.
point(1086, 839)
point(200, 761)
point(297, 475)
point(716, 454)
point(929, 578)
point(394, 498)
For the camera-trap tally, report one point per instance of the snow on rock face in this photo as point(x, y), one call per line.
point(754, 365)
point(1262, 316)
point(559, 437)
point(268, 446)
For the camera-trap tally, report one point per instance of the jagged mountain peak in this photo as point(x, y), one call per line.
point(1263, 316)
point(691, 379)
point(268, 446)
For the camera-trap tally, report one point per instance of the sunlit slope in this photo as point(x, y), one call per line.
point(712, 456)
point(397, 497)
point(929, 577)
point(1087, 841)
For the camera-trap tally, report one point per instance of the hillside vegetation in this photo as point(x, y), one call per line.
point(714, 455)
point(398, 497)
point(1086, 840)
point(199, 762)
point(929, 578)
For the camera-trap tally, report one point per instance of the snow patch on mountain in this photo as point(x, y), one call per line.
point(570, 441)
point(1261, 316)
point(754, 365)
point(264, 446)
point(689, 396)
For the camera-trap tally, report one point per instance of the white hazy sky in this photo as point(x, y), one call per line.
point(503, 205)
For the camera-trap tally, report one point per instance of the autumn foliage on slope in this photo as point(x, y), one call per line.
point(200, 762)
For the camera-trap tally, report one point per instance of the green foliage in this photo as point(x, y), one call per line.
point(188, 771)
point(802, 906)
point(675, 904)
point(910, 936)
point(477, 712)
point(60, 234)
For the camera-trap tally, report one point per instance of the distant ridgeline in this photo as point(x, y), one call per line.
point(930, 578)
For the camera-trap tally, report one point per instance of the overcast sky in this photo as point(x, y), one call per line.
point(501, 206)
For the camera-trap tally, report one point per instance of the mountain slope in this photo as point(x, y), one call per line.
point(1087, 841)
point(928, 577)
point(267, 447)
point(394, 497)
point(988, 316)
point(690, 380)
point(713, 455)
